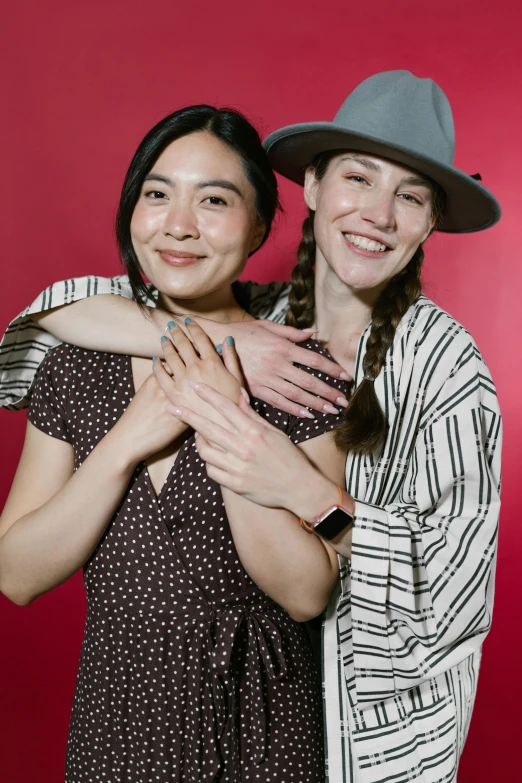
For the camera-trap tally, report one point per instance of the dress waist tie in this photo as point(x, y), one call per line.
point(237, 671)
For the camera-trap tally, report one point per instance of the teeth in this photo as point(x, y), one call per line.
point(366, 244)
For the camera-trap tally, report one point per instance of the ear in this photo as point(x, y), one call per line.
point(257, 237)
point(310, 188)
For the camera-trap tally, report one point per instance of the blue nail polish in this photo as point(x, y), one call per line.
point(171, 324)
point(163, 339)
point(154, 358)
point(230, 340)
point(188, 320)
point(219, 348)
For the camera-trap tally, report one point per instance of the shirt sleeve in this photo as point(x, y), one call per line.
point(47, 407)
point(265, 300)
point(422, 568)
point(25, 344)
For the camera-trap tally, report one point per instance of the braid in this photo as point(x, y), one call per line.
point(301, 299)
point(363, 427)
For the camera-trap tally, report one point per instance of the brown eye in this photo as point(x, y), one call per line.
point(356, 178)
point(154, 194)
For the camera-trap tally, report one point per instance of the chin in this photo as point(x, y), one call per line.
point(361, 282)
point(182, 291)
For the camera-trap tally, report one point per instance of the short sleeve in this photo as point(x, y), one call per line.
point(25, 344)
point(47, 409)
point(299, 429)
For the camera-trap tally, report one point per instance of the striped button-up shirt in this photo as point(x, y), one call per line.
point(402, 635)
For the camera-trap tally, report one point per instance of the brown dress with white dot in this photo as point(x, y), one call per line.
point(189, 673)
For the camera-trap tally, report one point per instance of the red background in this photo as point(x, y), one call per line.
point(85, 81)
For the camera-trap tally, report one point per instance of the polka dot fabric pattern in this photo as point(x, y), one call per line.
point(189, 672)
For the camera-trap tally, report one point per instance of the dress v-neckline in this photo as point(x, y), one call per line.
point(157, 496)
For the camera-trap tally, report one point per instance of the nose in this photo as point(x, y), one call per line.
point(180, 221)
point(379, 209)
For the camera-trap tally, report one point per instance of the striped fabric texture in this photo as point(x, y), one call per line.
point(402, 635)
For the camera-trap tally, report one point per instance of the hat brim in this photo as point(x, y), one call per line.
point(470, 206)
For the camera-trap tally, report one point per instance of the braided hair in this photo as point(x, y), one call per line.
point(363, 426)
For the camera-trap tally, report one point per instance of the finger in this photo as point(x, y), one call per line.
point(211, 431)
point(306, 389)
point(315, 361)
point(164, 380)
point(231, 360)
point(228, 409)
point(282, 403)
point(183, 345)
point(252, 414)
point(204, 345)
point(223, 478)
point(198, 437)
point(212, 455)
point(288, 332)
point(172, 357)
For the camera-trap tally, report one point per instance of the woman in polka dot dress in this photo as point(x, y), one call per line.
point(195, 666)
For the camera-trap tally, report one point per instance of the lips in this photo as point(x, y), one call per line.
point(178, 258)
point(369, 247)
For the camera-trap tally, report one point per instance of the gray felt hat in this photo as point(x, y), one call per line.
point(398, 116)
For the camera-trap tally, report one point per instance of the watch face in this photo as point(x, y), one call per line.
point(334, 523)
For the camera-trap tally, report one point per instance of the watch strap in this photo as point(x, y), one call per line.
point(308, 527)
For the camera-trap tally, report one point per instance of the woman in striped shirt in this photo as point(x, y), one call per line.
point(402, 635)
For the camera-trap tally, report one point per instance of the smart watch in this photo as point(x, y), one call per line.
point(334, 521)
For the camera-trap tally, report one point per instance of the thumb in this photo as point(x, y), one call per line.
point(231, 360)
point(245, 406)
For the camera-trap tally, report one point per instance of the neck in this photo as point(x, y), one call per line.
point(218, 306)
point(342, 313)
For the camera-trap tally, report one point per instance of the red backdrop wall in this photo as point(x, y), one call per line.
point(85, 81)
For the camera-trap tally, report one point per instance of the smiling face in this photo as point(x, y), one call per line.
point(370, 217)
point(195, 222)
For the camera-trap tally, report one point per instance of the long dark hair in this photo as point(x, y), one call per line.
point(228, 126)
point(363, 426)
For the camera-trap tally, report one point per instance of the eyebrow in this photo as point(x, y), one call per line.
point(412, 179)
point(211, 183)
point(369, 164)
point(415, 180)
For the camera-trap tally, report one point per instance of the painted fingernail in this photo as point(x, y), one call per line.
point(327, 408)
point(196, 386)
point(163, 339)
point(171, 325)
point(219, 347)
point(344, 376)
point(188, 320)
point(173, 410)
point(245, 394)
point(308, 330)
point(342, 401)
point(306, 413)
point(230, 340)
point(196, 435)
point(154, 358)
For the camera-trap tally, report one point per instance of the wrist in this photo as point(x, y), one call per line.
point(118, 453)
point(321, 493)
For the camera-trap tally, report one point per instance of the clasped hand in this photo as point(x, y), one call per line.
point(195, 360)
point(246, 454)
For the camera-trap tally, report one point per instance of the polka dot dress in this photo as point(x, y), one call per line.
point(189, 672)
